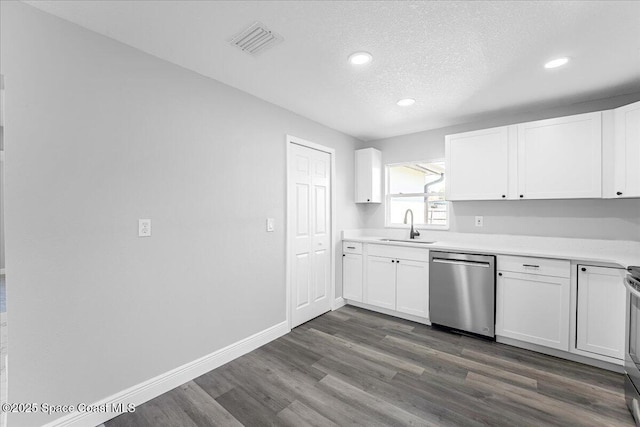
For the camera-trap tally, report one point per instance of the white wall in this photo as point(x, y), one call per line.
point(2, 172)
point(98, 135)
point(597, 219)
point(1, 197)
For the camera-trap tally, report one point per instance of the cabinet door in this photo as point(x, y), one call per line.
point(533, 309)
point(601, 311)
point(627, 151)
point(477, 165)
point(381, 282)
point(560, 158)
point(368, 176)
point(412, 287)
point(352, 277)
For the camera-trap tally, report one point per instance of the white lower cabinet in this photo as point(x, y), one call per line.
point(412, 292)
point(398, 284)
point(600, 325)
point(352, 276)
point(381, 282)
point(352, 271)
point(390, 277)
point(531, 307)
point(534, 300)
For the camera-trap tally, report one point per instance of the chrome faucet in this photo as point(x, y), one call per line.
point(413, 233)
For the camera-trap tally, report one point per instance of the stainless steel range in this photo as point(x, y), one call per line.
point(632, 354)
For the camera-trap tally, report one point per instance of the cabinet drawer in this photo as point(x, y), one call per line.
point(399, 252)
point(352, 247)
point(541, 266)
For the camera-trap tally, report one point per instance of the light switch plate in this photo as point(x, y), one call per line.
point(479, 221)
point(144, 228)
point(270, 224)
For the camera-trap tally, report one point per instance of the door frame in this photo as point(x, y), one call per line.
point(290, 140)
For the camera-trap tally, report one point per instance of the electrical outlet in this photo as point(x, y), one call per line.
point(144, 228)
point(479, 221)
point(270, 224)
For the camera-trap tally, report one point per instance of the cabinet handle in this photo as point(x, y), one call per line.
point(398, 261)
point(619, 193)
point(343, 254)
point(351, 247)
point(583, 269)
point(368, 200)
point(499, 274)
point(503, 196)
point(531, 265)
point(521, 196)
point(393, 260)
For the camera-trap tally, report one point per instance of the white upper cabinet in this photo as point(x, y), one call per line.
point(560, 158)
point(368, 176)
point(626, 152)
point(477, 165)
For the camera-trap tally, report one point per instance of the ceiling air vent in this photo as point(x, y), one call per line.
point(256, 39)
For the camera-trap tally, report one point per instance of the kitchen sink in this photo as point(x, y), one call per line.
point(407, 241)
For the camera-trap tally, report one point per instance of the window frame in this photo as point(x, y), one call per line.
point(388, 196)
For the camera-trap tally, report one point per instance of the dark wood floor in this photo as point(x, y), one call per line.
point(355, 367)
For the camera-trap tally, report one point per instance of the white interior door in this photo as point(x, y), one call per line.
point(310, 190)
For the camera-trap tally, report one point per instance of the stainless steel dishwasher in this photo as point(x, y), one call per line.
point(462, 291)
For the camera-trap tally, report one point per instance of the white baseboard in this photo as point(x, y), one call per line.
point(154, 387)
point(338, 302)
point(618, 366)
point(388, 312)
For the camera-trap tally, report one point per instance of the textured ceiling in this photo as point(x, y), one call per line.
point(460, 60)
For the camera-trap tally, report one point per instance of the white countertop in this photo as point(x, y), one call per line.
point(617, 253)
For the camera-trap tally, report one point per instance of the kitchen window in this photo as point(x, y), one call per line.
point(418, 186)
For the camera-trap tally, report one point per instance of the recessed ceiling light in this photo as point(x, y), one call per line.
point(360, 58)
point(555, 63)
point(406, 102)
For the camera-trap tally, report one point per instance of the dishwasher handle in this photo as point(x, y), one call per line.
point(452, 261)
